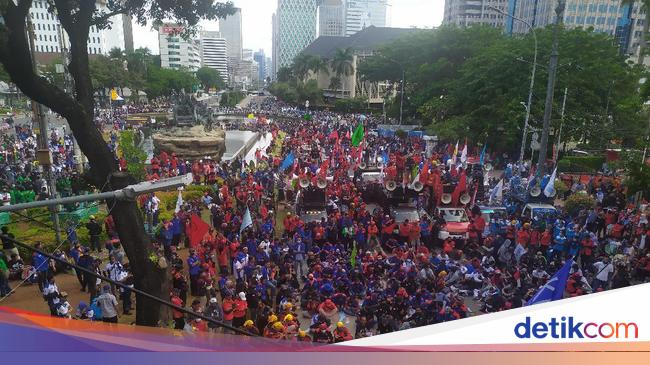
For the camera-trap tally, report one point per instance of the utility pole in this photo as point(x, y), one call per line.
point(556, 155)
point(43, 154)
point(550, 88)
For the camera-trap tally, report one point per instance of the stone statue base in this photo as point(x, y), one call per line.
point(193, 143)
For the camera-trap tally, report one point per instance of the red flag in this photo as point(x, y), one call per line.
point(334, 134)
point(460, 188)
point(264, 211)
point(198, 229)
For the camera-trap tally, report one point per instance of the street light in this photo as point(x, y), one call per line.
point(532, 79)
point(401, 101)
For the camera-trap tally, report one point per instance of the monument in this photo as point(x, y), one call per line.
point(191, 136)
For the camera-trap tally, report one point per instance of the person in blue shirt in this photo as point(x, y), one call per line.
point(177, 231)
point(299, 256)
point(42, 266)
point(194, 265)
point(559, 246)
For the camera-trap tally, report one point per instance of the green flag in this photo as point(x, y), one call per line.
point(357, 136)
point(353, 255)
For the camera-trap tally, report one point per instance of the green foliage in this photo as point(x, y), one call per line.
point(579, 201)
point(162, 81)
point(231, 99)
point(297, 92)
point(581, 163)
point(168, 198)
point(637, 174)
point(469, 82)
point(210, 78)
point(134, 155)
point(560, 187)
point(355, 105)
point(4, 76)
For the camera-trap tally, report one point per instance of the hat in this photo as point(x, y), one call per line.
point(92, 217)
point(248, 323)
point(288, 318)
point(288, 305)
point(213, 300)
point(442, 273)
point(242, 296)
point(340, 324)
point(278, 326)
point(302, 333)
point(273, 318)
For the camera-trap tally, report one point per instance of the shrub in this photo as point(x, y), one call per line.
point(560, 187)
point(579, 201)
point(581, 164)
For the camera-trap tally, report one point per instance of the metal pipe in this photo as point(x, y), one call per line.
point(119, 194)
point(122, 285)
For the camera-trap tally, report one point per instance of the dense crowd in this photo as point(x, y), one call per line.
point(359, 267)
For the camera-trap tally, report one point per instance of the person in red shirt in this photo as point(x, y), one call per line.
point(319, 234)
point(179, 317)
point(448, 245)
point(372, 233)
point(479, 227)
point(414, 234)
point(228, 306)
point(239, 313)
point(545, 240)
point(523, 235)
point(405, 230)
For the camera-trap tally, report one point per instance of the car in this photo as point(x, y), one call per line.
point(456, 223)
point(537, 211)
point(312, 205)
point(404, 212)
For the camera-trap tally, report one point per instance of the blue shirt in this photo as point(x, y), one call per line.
point(40, 262)
point(191, 261)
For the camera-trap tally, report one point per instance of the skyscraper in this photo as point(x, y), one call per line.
point(469, 12)
point(294, 29)
point(175, 51)
point(260, 58)
point(360, 14)
point(331, 18)
point(214, 53)
point(231, 29)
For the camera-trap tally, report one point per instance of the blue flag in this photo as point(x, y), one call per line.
point(288, 161)
point(554, 288)
point(247, 221)
point(483, 154)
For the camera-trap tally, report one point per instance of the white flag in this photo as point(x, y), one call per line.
point(247, 221)
point(463, 154)
point(497, 192)
point(179, 201)
point(550, 186)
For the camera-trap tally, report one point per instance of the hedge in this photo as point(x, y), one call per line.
point(579, 201)
point(581, 163)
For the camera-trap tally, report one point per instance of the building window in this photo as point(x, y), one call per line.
point(601, 20)
point(57, 49)
point(572, 7)
point(580, 19)
point(613, 9)
point(592, 8)
point(591, 20)
point(582, 7)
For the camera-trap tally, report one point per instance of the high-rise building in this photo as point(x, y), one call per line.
point(51, 37)
point(469, 12)
point(260, 58)
point(214, 53)
point(294, 29)
point(331, 18)
point(623, 22)
point(360, 14)
point(247, 54)
point(269, 67)
point(231, 30)
point(177, 52)
point(274, 44)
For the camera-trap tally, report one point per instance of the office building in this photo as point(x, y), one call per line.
point(51, 38)
point(331, 18)
point(214, 53)
point(360, 14)
point(294, 28)
point(177, 52)
point(260, 58)
point(470, 12)
point(623, 22)
point(231, 29)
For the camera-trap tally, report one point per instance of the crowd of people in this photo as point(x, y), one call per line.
point(357, 270)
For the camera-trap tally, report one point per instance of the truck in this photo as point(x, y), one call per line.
point(311, 205)
point(456, 223)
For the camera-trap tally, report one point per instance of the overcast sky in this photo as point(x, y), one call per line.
point(256, 18)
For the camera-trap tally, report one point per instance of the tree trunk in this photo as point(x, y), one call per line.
point(78, 110)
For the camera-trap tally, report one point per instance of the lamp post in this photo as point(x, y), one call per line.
point(532, 79)
point(401, 99)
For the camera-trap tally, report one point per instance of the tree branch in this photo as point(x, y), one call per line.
point(105, 16)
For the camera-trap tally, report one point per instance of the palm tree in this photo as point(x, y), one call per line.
point(335, 83)
point(342, 63)
point(643, 5)
point(318, 64)
point(301, 66)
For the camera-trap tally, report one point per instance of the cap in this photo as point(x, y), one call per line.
point(242, 296)
point(340, 324)
point(288, 318)
point(278, 326)
point(213, 300)
point(248, 323)
point(273, 318)
point(302, 333)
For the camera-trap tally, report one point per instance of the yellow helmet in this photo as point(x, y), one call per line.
point(278, 326)
point(340, 324)
point(288, 318)
point(248, 323)
point(273, 318)
point(302, 333)
point(442, 273)
point(288, 305)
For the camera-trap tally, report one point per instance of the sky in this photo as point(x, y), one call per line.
point(256, 21)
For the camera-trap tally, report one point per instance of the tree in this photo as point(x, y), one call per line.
point(342, 64)
point(284, 74)
point(335, 83)
point(318, 64)
point(209, 78)
point(76, 18)
point(301, 66)
point(134, 156)
point(4, 76)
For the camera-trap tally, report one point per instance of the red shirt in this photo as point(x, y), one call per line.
point(177, 301)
